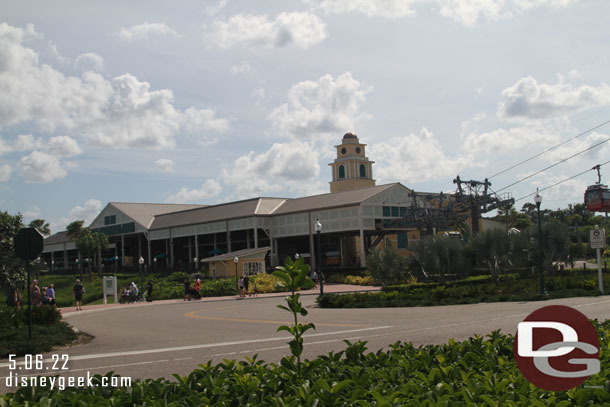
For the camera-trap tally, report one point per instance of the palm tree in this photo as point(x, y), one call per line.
point(41, 225)
point(434, 255)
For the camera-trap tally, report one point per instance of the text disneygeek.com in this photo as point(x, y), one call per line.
point(61, 382)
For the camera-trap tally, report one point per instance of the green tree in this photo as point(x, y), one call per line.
point(12, 268)
point(386, 266)
point(493, 249)
point(75, 229)
point(92, 244)
point(41, 225)
point(437, 255)
point(555, 243)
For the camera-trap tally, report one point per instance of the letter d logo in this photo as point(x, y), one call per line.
point(556, 348)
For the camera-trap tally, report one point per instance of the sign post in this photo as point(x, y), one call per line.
point(110, 288)
point(28, 243)
point(597, 239)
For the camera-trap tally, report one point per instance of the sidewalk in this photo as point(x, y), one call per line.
point(328, 288)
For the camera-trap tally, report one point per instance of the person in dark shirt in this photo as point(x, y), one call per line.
point(149, 291)
point(78, 294)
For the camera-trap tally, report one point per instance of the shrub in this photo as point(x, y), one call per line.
point(267, 283)
point(360, 280)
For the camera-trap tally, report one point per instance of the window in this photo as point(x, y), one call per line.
point(386, 211)
point(251, 268)
point(110, 220)
point(394, 211)
point(362, 171)
point(341, 172)
point(402, 240)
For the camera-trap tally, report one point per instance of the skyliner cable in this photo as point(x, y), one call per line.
point(553, 165)
point(551, 149)
point(560, 182)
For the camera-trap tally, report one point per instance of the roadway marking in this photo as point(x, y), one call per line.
point(199, 346)
point(265, 321)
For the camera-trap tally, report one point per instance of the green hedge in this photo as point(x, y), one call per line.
point(47, 330)
point(467, 292)
point(480, 371)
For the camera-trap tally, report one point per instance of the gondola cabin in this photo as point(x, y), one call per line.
point(597, 198)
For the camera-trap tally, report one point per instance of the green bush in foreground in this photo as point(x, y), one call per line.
point(47, 331)
point(477, 372)
point(466, 292)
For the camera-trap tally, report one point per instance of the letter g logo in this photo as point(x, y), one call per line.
point(552, 346)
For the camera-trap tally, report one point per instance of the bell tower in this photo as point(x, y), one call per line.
point(351, 169)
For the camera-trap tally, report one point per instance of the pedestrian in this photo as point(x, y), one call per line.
point(246, 284)
point(35, 296)
point(198, 285)
point(78, 294)
point(241, 287)
point(314, 277)
point(51, 294)
point(134, 290)
point(187, 289)
point(149, 291)
point(43, 296)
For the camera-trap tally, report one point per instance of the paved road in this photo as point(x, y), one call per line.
point(160, 339)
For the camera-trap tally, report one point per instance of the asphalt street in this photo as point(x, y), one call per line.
point(157, 340)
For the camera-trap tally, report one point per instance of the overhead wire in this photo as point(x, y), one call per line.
point(554, 165)
point(561, 182)
point(551, 149)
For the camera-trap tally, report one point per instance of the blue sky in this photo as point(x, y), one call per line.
point(207, 102)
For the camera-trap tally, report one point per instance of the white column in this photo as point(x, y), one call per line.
point(122, 250)
point(362, 248)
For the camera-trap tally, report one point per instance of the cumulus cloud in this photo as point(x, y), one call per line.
point(466, 12)
point(89, 61)
point(5, 172)
point(63, 146)
point(297, 28)
point(40, 167)
point(87, 212)
point(283, 167)
point(596, 155)
point(507, 140)
point(414, 158)
point(242, 68)
point(327, 106)
point(146, 30)
point(120, 112)
point(529, 100)
point(209, 189)
point(165, 164)
point(27, 142)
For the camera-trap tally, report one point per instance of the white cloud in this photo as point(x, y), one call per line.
point(86, 212)
point(597, 155)
point(63, 146)
point(573, 188)
point(165, 164)
point(5, 172)
point(285, 166)
point(507, 140)
point(120, 112)
point(146, 30)
point(327, 107)
point(89, 61)
point(371, 8)
point(466, 12)
point(296, 28)
point(414, 158)
point(27, 142)
point(213, 10)
point(39, 167)
point(209, 189)
point(242, 68)
point(529, 100)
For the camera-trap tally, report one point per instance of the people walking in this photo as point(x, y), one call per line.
point(78, 294)
point(51, 294)
point(35, 295)
point(187, 289)
point(241, 287)
point(246, 285)
point(149, 291)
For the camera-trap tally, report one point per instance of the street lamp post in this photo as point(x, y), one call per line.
point(318, 229)
point(195, 264)
point(141, 261)
point(538, 201)
point(78, 265)
point(236, 260)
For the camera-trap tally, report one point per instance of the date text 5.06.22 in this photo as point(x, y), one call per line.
point(38, 362)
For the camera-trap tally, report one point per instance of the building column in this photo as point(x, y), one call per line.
point(167, 252)
point(65, 258)
point(312, 252)
point(190, 251)
point(149, 250)
point(255, 237)
point(139, 248)
point(122, 250)
point(171, 252)
point(196, 247)
point(362, 248)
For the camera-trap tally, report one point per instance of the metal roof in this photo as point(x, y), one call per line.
point(331, 200)
point(144, 213)
point(59, 237)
